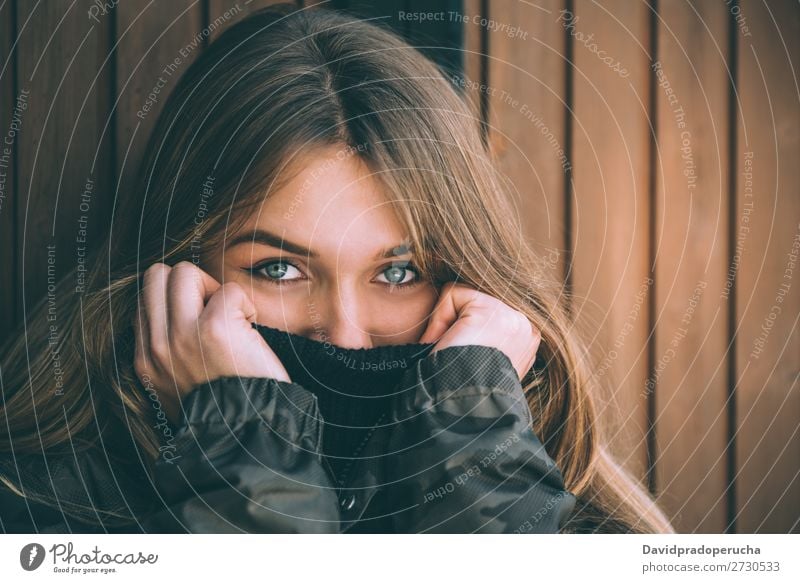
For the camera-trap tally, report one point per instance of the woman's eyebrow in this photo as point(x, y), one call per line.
point(273, 240)
point(402, 249)
point(267, 238)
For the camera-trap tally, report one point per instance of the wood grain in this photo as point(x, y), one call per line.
point(611, 209)
point(526, 111)
point(768, 278)
point(691, 250)
point(62, 60)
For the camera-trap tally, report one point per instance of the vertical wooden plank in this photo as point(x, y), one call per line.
point(611, 206)
point(157, 41)
point(440, 38)
point(434, 27)
point(475, 59)
point(689, 376)
point(768, 278)
point(223, 13)
point(527, 108)
point(8, 157)
point(390, 13)
point(63, 169)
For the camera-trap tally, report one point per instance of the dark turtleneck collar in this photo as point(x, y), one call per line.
point(354, 387)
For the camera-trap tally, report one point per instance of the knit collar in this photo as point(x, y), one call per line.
point(354, 387)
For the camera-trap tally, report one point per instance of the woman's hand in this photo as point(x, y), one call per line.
point(463, 316)
point(190, 329)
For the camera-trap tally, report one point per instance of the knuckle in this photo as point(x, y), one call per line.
point(184, 264)
point(518, 322)
point(155, 270)
point(184, 269)
point(153, 274)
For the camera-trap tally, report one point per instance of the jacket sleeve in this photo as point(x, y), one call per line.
point(463, 455)
point(246, 459)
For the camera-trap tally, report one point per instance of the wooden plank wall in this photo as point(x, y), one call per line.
point(767, 305)
point(652, 151)
point(659, 106)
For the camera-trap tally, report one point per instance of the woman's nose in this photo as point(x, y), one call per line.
point(343, 320)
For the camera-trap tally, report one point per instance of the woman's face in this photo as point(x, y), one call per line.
point(325, 257)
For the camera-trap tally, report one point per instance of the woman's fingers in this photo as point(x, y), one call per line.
point(452, 301)
point(141, 331)
point(441, 318)
point(155, 310)
point(229, 305)
point(190, 329)
point(225, 323)
point(465, 316)
point(144, 365)
point(188, 290)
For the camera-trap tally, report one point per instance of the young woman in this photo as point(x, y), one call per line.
point(312, 315)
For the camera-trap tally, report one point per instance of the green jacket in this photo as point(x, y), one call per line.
point(456, 455)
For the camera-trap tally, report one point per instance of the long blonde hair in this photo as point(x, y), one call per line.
point(270, 89)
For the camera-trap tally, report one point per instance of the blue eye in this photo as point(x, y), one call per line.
point(397, 275)
point(277, 271)
point(280, 272)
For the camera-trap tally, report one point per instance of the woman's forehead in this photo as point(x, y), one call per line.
point(333, 203)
